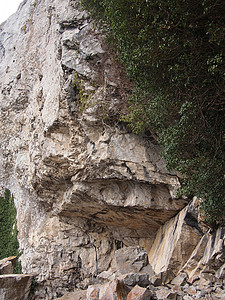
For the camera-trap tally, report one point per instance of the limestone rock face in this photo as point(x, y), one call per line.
point(84, 186)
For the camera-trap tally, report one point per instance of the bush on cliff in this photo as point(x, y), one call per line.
point(174, 53)
point(8, 230)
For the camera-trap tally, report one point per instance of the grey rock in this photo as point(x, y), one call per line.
point(131, 259)
point(179, 279)
point(133, 279)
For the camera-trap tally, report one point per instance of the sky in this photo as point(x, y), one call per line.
point(7, 8)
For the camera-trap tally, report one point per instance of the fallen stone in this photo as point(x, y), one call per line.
point(180, 236)
point(219, 296)
point(179, 279)
point(106, 276)
point(163, 292)
point(162, 278)
point(176, 289)
point(202, 283)
point(116, 291)
point(76, 295)
point(97, 291)
point(139, 293)
point(93, 293)
point(186, 297)
point(173, 296)
point(133, 279)
point(15, 286)
point(131, 259)
point(200, 294)
point(7, 265)
point(191, 290)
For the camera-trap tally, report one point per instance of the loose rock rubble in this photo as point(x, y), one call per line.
point(149, 285)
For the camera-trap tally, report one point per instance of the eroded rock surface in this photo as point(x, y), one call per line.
point(84, 186)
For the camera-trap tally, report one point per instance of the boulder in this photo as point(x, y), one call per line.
point(76, 295)
point(175, 242)
point(132, 279)
point(139, 293)
point(93, 293)
point(162, 292)
point(115, 291)
point(15, 286)
point(179, 279)
point(132, 260)
point(7, 265)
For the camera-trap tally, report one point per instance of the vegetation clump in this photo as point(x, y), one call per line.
point(174, 52)
point(81, 95)
point(8, 230)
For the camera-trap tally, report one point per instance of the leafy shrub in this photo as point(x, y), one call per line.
point(174, 53)
point(8, 230)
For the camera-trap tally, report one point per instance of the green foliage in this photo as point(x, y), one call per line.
point(174, 52)
point(34, 285)
point(8, 230)
point(82, 96)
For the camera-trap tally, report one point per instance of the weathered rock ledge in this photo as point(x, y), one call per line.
point(13, 286)
point(84, 186)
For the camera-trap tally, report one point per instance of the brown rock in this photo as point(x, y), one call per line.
point(76, 295)
point(115, 291)
point(139, 293)
point(162, 278)
point(206, 297)
point(7, 265)
point(176, 289)
point(92, 293)
point(15, 287)
point(191, 290)
point(163, 292)
point(173, 296)
point(179, 236)
point(202, 283)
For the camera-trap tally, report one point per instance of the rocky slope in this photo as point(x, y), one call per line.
point(85, 187)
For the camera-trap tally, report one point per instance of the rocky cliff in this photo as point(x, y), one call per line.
point(86, 189)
